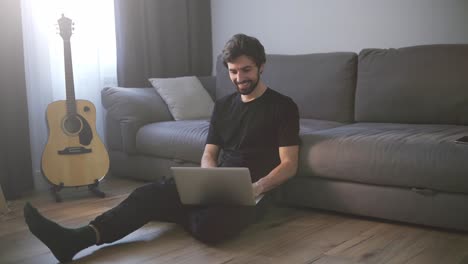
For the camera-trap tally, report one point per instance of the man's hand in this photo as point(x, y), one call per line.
point(257, 189)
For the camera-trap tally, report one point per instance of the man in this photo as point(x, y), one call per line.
point(256, 127)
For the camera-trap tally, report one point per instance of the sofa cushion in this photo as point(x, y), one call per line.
point(322, 84)
point(181, 140)
point(185, 140)
point(307, 126)
point(415, 85)
point(185, 97)
point(413, 156)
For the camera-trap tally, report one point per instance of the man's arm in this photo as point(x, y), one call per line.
point(286, 169)
point(210, 156)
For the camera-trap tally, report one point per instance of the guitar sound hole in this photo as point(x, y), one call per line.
point(72, 124)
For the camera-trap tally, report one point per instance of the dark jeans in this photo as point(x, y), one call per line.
point(160, 202)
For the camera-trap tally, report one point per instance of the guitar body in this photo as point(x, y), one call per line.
point(74, 154)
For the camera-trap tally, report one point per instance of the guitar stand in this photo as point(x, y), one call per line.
point(93, 188)
point(54, 190)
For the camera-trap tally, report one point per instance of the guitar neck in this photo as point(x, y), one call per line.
point(69, 83)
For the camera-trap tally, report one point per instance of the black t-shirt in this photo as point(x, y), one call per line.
point(250, 133)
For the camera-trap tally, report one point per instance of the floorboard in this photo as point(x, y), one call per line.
point(286, 235)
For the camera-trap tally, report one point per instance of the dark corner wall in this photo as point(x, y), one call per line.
point(15, 155)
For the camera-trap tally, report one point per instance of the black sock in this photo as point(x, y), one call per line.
point(63, 242)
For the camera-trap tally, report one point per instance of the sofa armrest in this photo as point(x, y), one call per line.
point(128, 109)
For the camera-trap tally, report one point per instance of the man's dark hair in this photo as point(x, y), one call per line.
point(241, 44)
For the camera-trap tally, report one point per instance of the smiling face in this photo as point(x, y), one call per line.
point(245, 74)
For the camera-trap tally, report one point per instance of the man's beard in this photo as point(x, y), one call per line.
point(250, 88)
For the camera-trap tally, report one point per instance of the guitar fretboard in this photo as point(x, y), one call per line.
point(69, 83)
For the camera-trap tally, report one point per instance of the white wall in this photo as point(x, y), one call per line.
point(307, 26)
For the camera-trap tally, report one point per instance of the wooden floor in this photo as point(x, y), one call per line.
point(284, 236)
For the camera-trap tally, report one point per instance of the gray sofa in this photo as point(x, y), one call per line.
point(377, 131)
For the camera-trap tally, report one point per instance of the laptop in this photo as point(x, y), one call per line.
point(214, 186)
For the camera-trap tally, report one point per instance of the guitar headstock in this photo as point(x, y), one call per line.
point(65, 26)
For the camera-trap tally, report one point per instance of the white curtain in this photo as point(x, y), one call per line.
point(93, 56)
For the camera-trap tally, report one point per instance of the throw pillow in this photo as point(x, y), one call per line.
point(185, 97)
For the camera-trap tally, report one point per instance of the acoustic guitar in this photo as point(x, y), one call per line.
point(74, 154)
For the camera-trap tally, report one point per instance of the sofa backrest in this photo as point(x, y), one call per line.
point(209, 83)
point(421, 84)
point(322, 84)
